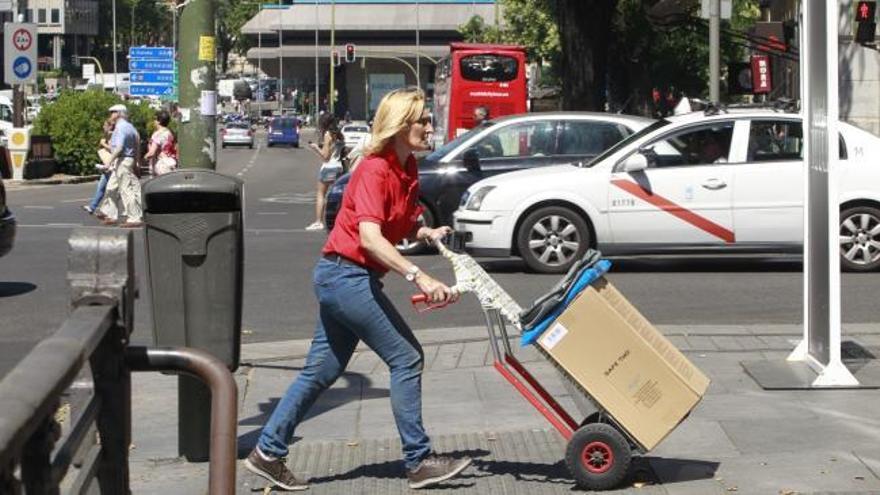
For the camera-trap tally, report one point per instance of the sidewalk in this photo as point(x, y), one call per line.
point(740, 439)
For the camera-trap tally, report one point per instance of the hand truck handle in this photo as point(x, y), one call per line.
point(423, 299)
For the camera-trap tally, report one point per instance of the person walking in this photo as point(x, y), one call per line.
point(103, 167)
point(379, 209)
point(123, 188)
point(331, 152)
point(162, 151)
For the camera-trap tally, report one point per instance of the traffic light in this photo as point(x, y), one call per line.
point(865, 21)
point(350, 55)
point(334, 58)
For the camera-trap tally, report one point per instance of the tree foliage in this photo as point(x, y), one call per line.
point(529, 23)
point(231, 16)
point(74, 122)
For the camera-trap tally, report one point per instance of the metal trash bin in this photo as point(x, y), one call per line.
point(195, 257)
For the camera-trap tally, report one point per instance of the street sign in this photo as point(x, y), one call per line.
point(150, 65)
point(20, 53)
point(151, 52)
point(88, 72)
point(151, 90)
point(153, 71)
point(152, 77)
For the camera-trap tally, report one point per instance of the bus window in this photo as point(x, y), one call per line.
point(489, 68)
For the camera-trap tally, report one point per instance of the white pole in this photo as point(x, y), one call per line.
point(418, 47)
point(280, 59)
point(115, 70)
point(317, 74)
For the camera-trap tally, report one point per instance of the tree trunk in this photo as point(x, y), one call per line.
point(584, 28)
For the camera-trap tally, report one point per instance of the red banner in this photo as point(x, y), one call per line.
point(762, 80)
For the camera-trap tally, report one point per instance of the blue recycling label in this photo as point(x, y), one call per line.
point(22, 67)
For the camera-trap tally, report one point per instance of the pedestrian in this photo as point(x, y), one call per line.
point(123, 195)
point(379, 209)
point(162, 152)
point(330, 152)
point(481, 114)
point(103, 167)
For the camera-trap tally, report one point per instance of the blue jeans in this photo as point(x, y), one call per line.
point(354, 308)
point(99, 192)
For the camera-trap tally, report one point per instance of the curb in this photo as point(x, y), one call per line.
point(69, 179)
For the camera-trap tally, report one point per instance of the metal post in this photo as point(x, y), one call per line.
point(280, 59)
point(115, 69)
point(18, 106)
point(316, 103)
point(418, 47)
point(332, 95)
point(198, 95)
point(714, 49)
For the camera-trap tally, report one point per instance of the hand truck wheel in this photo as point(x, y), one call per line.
point(598, 456)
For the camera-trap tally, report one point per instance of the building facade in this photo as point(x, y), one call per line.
point(397, 43)
point(65, 29)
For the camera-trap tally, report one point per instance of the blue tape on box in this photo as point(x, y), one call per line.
point(590, 275)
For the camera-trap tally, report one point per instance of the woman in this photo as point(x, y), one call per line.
point(380, 208)
point(163, 147)
point(104, 168)
point(331, 152)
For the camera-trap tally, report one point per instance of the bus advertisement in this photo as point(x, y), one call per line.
point(477, 75)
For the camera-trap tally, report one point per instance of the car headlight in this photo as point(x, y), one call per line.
point(476, 200)
point(464, 199)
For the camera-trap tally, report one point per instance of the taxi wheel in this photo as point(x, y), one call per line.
point(552, 238)
point(860, 239)
point(409, 248)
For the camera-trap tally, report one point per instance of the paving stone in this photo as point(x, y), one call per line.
point(680, 342)
point(447, 356)
point(726, 343)
point(696, 438)
point(701, 343)
point(811, 471)
point(764, 405)
point(473, 355)
point(779, 341)
point(794, 434)
point(364, 363)
point(750, 342)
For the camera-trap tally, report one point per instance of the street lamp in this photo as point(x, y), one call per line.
point(115, 70)
point(280, 59)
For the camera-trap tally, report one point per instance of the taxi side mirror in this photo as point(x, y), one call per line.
point(635, 162)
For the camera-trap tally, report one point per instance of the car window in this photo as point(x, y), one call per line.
point(775, 140)
point(701, 146)
point(518, 140)
point(354, 128)
point(590, 138)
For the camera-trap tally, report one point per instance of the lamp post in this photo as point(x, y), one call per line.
point(115, 70)
point(418, 48)
point(317, 99)
point(332, 95)
point(280, 59)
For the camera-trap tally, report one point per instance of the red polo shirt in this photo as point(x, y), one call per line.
point(383, 192)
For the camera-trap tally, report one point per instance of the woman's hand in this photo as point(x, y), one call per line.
point(436, 291)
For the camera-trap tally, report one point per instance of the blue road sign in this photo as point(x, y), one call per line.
point(22, 67)
point(152, 77)
point(151, 52)
point(150, 65)
point(151, 90)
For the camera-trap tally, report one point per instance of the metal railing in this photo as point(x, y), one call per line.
point(40, 453)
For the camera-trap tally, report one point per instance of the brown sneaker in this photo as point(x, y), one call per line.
point(436, 469)
point(274, 471)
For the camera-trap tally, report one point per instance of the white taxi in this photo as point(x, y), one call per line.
point(732, 182)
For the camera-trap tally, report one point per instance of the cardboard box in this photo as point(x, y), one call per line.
point(628, 367)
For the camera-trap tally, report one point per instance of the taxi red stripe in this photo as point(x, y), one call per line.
point(668, 206)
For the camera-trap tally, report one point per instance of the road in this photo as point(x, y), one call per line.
point(279, 256)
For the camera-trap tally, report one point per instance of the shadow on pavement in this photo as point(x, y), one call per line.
point(11, 289)
point(670, 471)
point(395, 470)
point(357, 388)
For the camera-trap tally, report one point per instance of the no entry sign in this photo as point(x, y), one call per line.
point(20, 53)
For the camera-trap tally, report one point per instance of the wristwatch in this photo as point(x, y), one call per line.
point(411, 273)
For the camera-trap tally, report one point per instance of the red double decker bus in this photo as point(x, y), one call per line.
point(474, 75)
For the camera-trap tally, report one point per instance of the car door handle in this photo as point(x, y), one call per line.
point(714, 184)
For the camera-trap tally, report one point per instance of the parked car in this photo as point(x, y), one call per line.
point(284, 130)
point(7, 224)
point(353, 134)
point(504, 145)
point(237, 134)
point(693, 184)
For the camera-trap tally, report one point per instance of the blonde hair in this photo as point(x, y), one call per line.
point(397, 110)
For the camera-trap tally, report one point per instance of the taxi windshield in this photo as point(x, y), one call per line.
point(622, 144)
